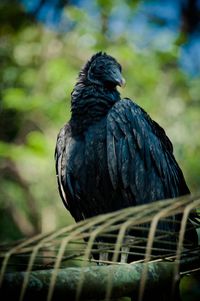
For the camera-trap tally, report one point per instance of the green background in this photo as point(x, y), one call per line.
point(39, 67)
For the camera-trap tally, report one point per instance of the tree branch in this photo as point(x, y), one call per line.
point(125, 281)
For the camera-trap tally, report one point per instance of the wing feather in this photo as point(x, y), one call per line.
point(140, 155)
point(60, 159)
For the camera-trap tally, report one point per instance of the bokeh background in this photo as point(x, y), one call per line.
point(43, 45)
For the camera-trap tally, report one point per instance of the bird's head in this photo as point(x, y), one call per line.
point(104, 70)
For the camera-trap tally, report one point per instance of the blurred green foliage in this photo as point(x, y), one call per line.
point(38, 72)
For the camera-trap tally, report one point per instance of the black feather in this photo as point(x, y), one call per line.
point(111, 154)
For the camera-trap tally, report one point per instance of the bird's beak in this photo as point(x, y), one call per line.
point(118, 79)
point(122, 82)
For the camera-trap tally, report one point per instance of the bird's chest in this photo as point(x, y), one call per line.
point(87, 155)
point(87, 168)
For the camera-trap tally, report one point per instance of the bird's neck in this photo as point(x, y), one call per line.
point(89, 103)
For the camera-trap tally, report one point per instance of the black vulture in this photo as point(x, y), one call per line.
point(111, 154)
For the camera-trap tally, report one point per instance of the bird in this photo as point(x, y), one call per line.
point(111, 154)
